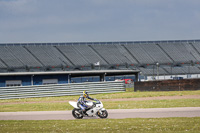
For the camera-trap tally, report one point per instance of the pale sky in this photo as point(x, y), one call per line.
point(32, 21)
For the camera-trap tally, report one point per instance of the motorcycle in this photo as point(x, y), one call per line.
point(94, 108)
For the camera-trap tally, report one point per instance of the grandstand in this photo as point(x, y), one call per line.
point(178, 57)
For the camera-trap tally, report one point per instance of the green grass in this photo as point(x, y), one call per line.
point(152, 104)
point(47, 104)
point(107, 104)
point(108, 96)
point(137, 125)
point(130, 89)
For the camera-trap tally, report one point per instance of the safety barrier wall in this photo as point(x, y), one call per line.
point(168, 85)
point(61, 89)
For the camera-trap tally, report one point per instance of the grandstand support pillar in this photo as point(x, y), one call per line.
point(32, 79)
point(69, 78)
point(102, 77)
point(137, 77)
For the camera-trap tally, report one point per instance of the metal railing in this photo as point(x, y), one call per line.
point(61, 89)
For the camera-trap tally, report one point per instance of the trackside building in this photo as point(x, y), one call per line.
point(62, 77)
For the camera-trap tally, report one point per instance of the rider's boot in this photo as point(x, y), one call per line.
point(81, 112)
point(84, 112)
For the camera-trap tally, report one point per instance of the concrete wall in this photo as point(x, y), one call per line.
point(168, 85)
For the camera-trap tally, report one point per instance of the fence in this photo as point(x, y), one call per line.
point(168, 85)
point(60, 89)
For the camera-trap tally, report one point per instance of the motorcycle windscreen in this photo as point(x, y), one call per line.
point(74, 104)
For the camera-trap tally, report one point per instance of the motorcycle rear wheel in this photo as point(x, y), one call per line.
point(76, 115)
point(103, 115)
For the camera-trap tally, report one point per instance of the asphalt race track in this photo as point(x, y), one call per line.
point(112, 114)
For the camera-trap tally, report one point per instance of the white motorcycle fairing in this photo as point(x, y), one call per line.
point(74, 104)
point(94, 109)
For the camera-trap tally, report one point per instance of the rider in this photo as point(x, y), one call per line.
point(82, 100)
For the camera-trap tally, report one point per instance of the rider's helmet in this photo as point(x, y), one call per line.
point(85, 94)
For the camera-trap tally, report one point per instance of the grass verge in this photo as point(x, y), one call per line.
point(107, 104)
point(137, 125)
point(108, 96)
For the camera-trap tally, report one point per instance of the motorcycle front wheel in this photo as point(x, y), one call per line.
point(103, 114)
point(76, 114)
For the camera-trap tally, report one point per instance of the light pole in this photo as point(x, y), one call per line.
point(171, 70)
point(153, 73)
point(157, 65)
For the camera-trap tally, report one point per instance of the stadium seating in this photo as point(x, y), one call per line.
point(9, 58)
point(109, 53)
point(152, 71)
point(191, 69)
point(24, 56)
point(73, 55)
point(177, 57)
point(88, 53)
point(139, 53)
point(41, 55)
point(177, 52)
point(174, 70)
point(59, 59)
point(192, 50)
point(196, 46)
point(2, 65)
point(125, 56)
point(156, 53)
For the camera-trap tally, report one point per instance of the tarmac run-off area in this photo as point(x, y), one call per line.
point(112, 114)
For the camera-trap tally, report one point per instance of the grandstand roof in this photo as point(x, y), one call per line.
point(77, 73)
point(111, 42)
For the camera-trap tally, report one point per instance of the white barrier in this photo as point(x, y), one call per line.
point(60, 89)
